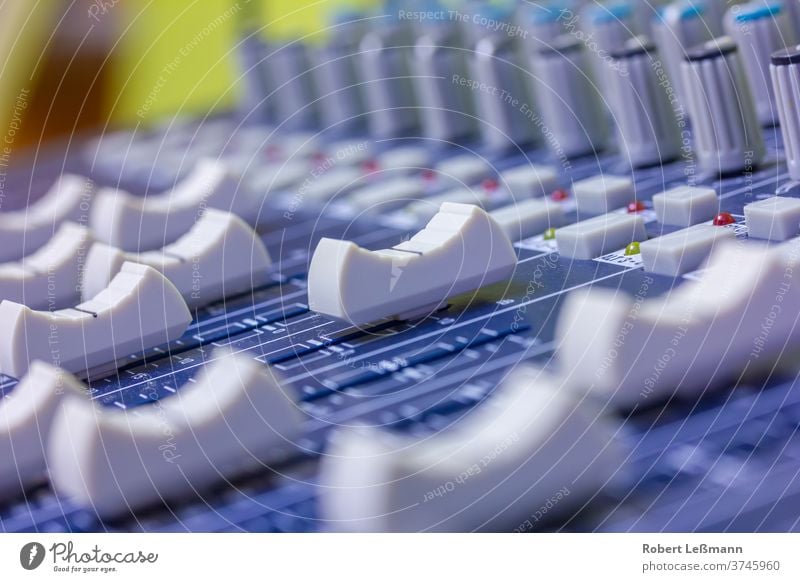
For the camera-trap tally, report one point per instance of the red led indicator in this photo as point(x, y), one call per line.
point(370, 166)
point(489, 185)
point(636, 206)
point(723, 219)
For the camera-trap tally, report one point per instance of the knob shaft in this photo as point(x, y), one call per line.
point(727, 137)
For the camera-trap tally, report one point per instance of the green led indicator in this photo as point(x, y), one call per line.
point(632, 249)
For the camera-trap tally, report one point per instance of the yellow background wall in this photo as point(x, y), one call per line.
point(179, 56)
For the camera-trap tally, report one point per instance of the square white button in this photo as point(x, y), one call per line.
point(686, 205)
point(464, 168)
point(411, 158)
point(597, 236)
point(528, 217)
point(776, 218)
point(529, 181)
point(603, 193)
point(682, 251)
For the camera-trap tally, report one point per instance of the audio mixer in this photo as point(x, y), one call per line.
point(457, 267)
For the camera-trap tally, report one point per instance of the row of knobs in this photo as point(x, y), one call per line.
point(587, 70)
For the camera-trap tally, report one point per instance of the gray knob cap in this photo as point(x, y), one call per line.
point(727, 137)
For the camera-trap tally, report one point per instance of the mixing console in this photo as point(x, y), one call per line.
point(474, 313)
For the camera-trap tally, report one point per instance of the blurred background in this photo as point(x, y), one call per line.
point(76, 65)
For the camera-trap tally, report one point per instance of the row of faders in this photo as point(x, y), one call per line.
point(131, 281)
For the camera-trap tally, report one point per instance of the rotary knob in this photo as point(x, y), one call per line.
point(610, 24)
point(568, 99)
point(785, 71)
point(335, 73)
point(497, 83)
point(383, 57)
point(607, 27)
point(543, 24)
point(294, 96)
point(727, 137)
point(647, 127)
point(256, 79)
point(445, 107)
point(677, 28)
point(759, 30)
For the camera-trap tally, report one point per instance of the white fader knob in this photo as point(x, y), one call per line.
point(24, 231)
point(50, 277)
point(727, 137)
point(26, 416)
point(736, 292)
point(785, 70)
point(759, 30)
point(647, 128)
point(220, 256)
point(461, 249)
point(568, 98)
point(139, 309)
point(233, 418)
point(375, 481)
point(142, 223)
